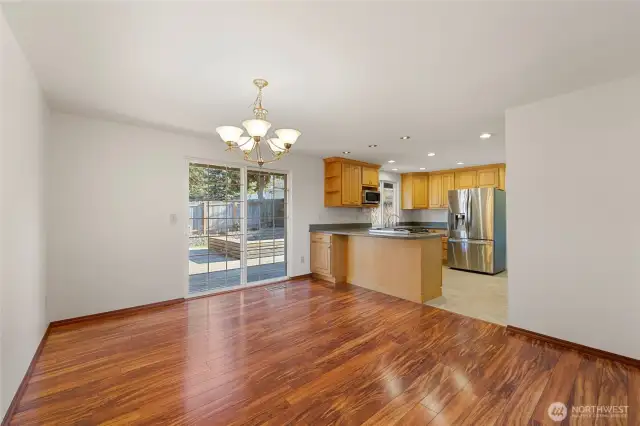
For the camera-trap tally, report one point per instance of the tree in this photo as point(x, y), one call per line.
point(213, 183)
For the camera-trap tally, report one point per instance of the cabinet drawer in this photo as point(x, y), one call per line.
point(320, 237)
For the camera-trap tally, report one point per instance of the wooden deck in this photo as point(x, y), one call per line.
point(310, 355)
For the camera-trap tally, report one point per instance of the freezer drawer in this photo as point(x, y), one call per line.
point(472, 255)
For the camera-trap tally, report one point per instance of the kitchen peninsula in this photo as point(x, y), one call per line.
point(405, 266)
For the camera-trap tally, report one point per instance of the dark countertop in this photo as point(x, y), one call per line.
point(361, 229)
point(364, 232)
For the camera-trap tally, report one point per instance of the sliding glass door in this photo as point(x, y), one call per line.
point(216, 206)
point(237, 227)
point(266, 225)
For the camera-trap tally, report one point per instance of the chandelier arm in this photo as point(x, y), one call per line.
point(271, 149)
point(248, 154)
point(273, 159)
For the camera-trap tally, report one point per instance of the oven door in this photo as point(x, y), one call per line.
point(370, 197)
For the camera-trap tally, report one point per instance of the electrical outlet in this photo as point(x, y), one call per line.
point(301, 259)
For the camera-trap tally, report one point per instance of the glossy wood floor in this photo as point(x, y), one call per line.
point(309, 355)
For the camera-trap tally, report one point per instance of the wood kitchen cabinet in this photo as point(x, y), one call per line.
point(328, 257)
point(370, 177)
point(435, 191)
point(466, 179)
point(488, 178)
point(439, 186)
point(344, 181)
point(502, 176)
point(351, 184)
point(434, 186)
point(415, 191)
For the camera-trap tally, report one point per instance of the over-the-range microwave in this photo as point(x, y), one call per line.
point(370, 197)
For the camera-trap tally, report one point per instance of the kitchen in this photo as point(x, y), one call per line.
point(435, 237)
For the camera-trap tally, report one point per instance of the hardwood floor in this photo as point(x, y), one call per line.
point(310, 355)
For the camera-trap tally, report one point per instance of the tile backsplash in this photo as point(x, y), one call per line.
point(439, 215)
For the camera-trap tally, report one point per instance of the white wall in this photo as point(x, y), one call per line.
point(111, 189)
point(23, 116)
point(572, 159)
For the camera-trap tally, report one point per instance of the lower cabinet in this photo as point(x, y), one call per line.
point(445, 253)
point(328, 257)
point(321, 257)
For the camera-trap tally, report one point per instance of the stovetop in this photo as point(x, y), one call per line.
point(401, 230)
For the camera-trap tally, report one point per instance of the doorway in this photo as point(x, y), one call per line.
point(387, 214)
point(237, 227)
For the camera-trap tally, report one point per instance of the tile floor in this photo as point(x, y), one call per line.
point(474, 295)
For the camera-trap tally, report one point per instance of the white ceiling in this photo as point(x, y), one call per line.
point(347, 74)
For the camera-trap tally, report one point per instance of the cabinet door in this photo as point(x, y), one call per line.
point(502, 173)
point(321, 257)
point(346, 184)
point(448, 183)
point(370, 176)
point(488, 178)
point(435, 191)
point(356, 185)
point(420, 200)
point(406, 195)
point(466, 180)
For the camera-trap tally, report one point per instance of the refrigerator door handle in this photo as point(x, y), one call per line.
point(455, 240)
point(469, 214)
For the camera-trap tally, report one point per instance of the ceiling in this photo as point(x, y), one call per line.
point(347, 74)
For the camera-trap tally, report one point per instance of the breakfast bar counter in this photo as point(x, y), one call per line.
point(405, 266)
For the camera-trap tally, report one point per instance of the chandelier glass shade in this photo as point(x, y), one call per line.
point(258, 147)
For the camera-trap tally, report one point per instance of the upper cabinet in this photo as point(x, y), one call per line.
point(415, 191)
point(466, 179)
point(488, 178)
point(434, 186)
point(344, 180)
point(502, 174)
point(435, 191)
point(439, 186)
point(370, 177)
point(351, 184)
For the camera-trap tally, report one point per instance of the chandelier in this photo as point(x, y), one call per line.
point(258, 144)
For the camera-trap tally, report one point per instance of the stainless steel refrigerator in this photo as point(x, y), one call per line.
point(477, 225)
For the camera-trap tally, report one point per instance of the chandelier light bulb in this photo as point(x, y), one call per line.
point(245, 143)
point(256, 127)
point(288, 136)
point(276, 145)
point(229, 133)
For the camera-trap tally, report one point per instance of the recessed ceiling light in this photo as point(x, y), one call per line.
point(431, 154)
point(346, 152)
point(373, 146)
point(423, 168)
point(460, 163)
point(485, 135)
point(391, 161)
point(395, 170)
point(405, 137)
